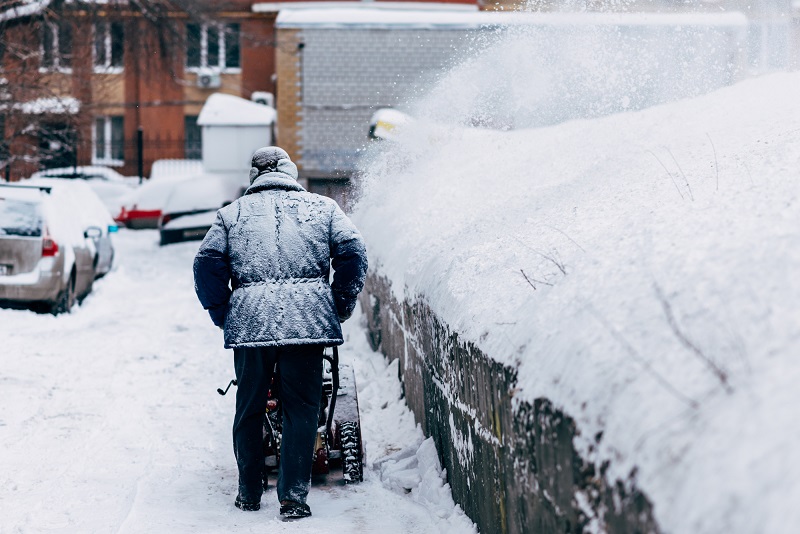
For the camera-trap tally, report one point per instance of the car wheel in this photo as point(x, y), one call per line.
point(66, 299)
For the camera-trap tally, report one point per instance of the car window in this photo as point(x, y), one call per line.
point(20, 218)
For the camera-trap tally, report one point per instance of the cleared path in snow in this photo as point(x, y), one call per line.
point(110, 420)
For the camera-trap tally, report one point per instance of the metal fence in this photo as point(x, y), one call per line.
point(131, 157)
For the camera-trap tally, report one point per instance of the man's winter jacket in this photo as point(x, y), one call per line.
point(274, 247)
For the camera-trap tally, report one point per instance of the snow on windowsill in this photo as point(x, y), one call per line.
point(213, 70)
point(108, 70)
point(108, 162)
point(55, 70)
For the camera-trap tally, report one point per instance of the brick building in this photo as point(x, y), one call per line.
point(122, 67)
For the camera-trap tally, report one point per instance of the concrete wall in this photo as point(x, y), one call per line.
point(511, 464)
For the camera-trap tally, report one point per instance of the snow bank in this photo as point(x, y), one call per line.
point(641, 272)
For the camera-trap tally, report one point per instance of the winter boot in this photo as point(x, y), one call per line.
point(246, 506)
point(294, 509)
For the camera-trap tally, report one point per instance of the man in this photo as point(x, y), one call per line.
point(262, 272)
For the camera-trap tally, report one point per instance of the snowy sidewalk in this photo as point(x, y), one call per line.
point(110, 421)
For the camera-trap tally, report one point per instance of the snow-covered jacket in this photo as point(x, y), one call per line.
point(263, 269)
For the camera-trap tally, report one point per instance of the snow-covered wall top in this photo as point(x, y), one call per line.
point(640, 270)
point(457, 19)
point(275, 7)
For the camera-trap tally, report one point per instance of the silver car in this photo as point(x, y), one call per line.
point(91, 212)
point(46, 257)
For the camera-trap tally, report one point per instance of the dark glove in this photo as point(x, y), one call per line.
point(218, 315)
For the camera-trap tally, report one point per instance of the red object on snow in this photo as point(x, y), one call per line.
point(138, 218)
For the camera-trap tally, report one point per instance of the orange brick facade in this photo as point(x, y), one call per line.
point(153, 90)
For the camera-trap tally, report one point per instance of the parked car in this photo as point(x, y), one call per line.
point(110, 186)
point(142, 208)
point(192, 206)
point(47, 254)
point(92, 213)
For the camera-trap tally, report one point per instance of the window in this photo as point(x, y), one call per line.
point(193, 138)
point(108, 39)
point(214, 46)
point(109, 141)
point(57, 46)
point(20, 218)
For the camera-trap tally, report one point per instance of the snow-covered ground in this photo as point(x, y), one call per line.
point(110, 420)
point(641, 270)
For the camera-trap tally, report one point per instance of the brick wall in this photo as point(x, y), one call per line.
point(288, 97)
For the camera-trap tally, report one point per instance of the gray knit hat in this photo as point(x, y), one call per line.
point(271, 159)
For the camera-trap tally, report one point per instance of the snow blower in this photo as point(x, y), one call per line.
point(339, 441)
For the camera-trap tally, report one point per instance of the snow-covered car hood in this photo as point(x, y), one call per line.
point(204, 192)
point(195, 220)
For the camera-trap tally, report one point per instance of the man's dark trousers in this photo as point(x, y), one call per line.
point(300, 371)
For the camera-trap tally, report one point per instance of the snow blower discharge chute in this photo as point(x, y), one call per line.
point(339, 441)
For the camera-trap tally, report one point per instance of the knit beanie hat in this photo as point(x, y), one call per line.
point(271, 159)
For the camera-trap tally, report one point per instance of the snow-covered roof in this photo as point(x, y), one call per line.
point(274, 7)
point(42, 106)
point(427, 18)
point(227, 110)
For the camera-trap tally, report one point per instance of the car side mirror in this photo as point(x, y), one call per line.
point(113, 228)
point(93, 232)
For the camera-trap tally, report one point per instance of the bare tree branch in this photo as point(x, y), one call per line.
point(666, 384)
point(720, 373)
point(678, 189)
point(685, 179)
point(716, 164)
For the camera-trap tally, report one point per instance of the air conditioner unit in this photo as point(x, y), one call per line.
point(264, 98)
point(208, 80)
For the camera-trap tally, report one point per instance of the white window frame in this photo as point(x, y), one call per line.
point(53, 28)
point(106, 68)
point(221, 67)
point(107, 148)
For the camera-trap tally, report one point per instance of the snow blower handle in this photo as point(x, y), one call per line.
point(231, 383)
point(335, 390)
